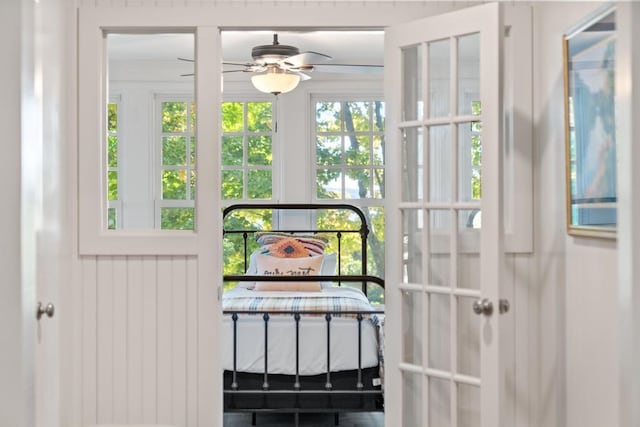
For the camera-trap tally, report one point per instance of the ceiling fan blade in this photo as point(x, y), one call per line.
point(349, 68)
point(303, 76)
point(185, 59)
point(187, 75)
point(306, 58)
point(239, 64)
point(237, 71)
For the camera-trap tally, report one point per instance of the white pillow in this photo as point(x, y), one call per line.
point(329, 268)
point(297, 267)
point(329, 265)
point(252, 270)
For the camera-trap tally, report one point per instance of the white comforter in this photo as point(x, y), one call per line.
point(313, 338)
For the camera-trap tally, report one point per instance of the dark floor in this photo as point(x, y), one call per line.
point(347, 419)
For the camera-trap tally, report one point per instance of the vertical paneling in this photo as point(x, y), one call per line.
point(135, 334)
point(192, 342)
point(104, 335)
point(165, 346)
point(120, 349)
point(149, 340)
point(139, 340)
point(179, 341)
point(89, 341)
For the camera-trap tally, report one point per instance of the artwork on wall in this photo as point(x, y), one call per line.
point(589, 64)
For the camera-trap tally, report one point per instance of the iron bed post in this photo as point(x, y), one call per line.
point(234, 383)
point(328, 385)
point(296, 385)
point(265, 385)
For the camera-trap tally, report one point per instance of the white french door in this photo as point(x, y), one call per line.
point(444, 220)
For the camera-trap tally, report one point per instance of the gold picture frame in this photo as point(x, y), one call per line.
point(590, 145)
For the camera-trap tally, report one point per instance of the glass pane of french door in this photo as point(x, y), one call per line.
point(442, 188)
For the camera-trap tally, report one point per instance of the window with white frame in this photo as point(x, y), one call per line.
point(349, 166)
point(247, 150)
point(114, 204)
point(176, 189)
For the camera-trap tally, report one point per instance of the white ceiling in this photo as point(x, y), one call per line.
point(345, 47)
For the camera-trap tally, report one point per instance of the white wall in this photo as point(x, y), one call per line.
point(577, 276)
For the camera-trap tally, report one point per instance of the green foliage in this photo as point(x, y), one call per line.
point(257, 187)
point(111, 219)
point(112, 190)
point(174, 184)
point(174, 150)
point(174, 117)
point(112, 117)
point(176, 218)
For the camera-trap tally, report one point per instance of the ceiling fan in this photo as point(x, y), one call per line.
point(278, 68)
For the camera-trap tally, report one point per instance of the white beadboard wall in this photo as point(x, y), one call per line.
point(139, 322)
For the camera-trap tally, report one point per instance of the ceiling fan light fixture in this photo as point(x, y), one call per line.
point(275, 81)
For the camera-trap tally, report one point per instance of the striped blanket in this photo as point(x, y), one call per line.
point(337, 301)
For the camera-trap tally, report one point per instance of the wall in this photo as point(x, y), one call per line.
point(577, 276)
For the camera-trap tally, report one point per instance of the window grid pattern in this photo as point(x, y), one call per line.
point(349, 150)
point(247, 150)
point(175, 203)
point(114, 204)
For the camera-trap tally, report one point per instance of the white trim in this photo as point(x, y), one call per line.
point(627, 135)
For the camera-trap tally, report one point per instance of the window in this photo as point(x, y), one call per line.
point(175, 206)
point(349, 154)
point(349, 166)
point(247, 150)
point(114, 205)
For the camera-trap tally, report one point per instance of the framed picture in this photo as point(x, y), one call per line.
point(589, 65)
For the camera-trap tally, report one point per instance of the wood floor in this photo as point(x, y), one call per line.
point(353, 419)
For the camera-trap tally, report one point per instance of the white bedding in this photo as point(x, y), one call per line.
point(313, 338)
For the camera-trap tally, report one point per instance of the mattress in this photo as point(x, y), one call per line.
point(281, 353)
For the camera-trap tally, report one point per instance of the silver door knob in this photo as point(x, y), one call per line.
point(49, 310)
point(483, 306)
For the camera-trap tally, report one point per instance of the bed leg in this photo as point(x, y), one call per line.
point(296, 419)
point(253, 418)
point(336, 419)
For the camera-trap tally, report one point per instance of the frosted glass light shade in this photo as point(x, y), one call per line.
point(275, 83)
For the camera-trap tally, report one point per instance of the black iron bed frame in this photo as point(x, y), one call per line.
point(332, 392)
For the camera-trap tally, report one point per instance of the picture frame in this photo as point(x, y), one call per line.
point(590, 144)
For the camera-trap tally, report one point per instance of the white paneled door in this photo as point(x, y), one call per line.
point(445, 221)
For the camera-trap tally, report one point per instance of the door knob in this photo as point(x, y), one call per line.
point(483, 306)
point(49, 310)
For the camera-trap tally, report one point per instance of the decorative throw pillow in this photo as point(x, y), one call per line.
point(314, 243)
point(268, 265)
point(288, 248)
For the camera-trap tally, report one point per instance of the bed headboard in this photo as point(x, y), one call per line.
point(238, 227)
